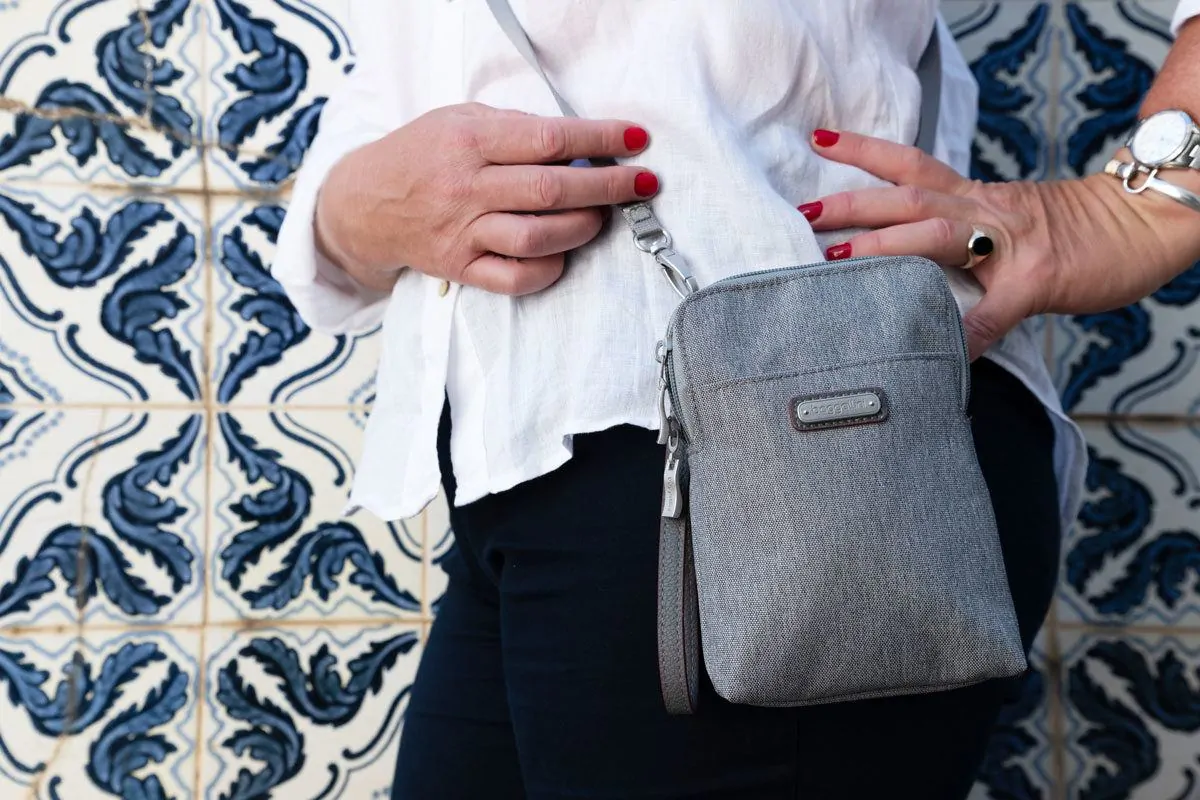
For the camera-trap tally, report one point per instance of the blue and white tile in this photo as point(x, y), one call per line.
point(125, 705)
point(1019, 760)
point(280, 546)
point(271, 68)
point(306, 712)
point(1134, 553)
point(1010, 47)
point(1144, 358)
point(132, 98)
point(1111, 52)
point(102, 296)
point(33, 708)
point(1132, 705)
point(101, 517)
point(263, 352)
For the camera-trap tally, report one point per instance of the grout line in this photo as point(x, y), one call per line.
point(426, 561)
point(1119, 629)
point(1056, 706)
point(235, 407)
point(210, 413)
point(1154, 419)
point(1055, 91)
point(1055, 702)
point(279, 192)
point(147, 62)
point(71, 712)
point(205, 624)
point(207, 388)
point(194, 407)
point(142, 122)
point(264, 193)
point(61, 114)
point(235, 625)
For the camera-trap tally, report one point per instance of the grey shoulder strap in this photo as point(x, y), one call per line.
point(648, 233)
point(929, 71)
point(678, 611)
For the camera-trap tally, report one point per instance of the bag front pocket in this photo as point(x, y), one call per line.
point(876, 568)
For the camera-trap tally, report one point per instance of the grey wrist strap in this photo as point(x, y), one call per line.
point(678, 618)
point(678, 607)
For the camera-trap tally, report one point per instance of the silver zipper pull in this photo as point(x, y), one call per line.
point(664, 415)
point(672, 502)
point(664, 396)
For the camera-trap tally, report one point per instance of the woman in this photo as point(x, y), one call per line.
point(523, 382)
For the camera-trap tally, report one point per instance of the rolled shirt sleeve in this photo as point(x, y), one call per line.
point(1186, 10)
point(358, 112)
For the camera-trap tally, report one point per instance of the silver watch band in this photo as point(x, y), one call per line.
point(1190, 159)
point(1128, 172)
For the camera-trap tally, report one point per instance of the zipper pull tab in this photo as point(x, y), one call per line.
point(664, 396)
point(664, 415)
point(672, 502)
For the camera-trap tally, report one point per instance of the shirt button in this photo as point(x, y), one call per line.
point(444, 289)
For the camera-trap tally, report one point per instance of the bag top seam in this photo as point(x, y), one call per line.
point(774, 376)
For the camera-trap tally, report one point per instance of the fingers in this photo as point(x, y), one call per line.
point(1008, 298)
point(527, 236)
point(938, 239)
point(529, 139)
point(894, 163)
point(879, 208)
point(540, 188)
point(501, 275)
point(1004, 305)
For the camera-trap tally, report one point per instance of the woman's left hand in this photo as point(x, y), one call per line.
point(1075, 246)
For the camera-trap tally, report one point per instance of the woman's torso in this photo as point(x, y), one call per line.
point(730, 92)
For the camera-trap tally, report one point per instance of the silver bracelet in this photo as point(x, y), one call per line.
point(1128, 171)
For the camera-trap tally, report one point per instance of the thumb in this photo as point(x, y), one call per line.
point(482, 110)
point(1003, 307)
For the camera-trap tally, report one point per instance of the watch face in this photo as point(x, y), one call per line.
point(1161, 138)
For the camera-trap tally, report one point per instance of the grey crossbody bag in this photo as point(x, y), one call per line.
point(826, 534)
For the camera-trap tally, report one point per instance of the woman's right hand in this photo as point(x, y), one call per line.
point(445, 193)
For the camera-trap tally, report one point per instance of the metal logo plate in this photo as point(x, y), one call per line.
point(861, 407)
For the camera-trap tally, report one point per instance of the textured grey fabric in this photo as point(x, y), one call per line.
point(842, 562)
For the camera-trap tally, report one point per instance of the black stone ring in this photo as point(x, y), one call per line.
point(979, 247)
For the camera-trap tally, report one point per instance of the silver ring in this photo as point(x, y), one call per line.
point(979, 247)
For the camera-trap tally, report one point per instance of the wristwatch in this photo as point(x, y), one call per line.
point(1166, 140)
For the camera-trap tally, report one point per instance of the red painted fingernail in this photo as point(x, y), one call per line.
point(811, 210)
point(838, 252)
point(645, 184)
point(636, 138)
point(824, 138)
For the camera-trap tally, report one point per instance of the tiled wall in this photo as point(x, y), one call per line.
point(183, 613)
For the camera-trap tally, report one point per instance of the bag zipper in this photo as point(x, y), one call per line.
point(672, 497)
point(668, 434)
point(663, 354)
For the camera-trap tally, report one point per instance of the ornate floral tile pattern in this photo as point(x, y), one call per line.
point(185, 612)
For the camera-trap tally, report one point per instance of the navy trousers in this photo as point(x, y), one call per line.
point(540, 678)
